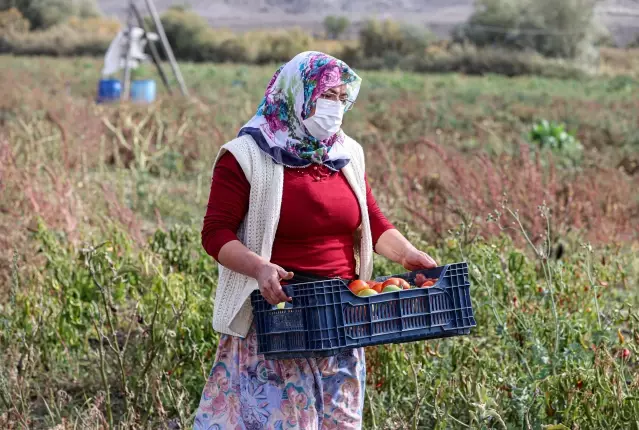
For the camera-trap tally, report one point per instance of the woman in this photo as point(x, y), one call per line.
point(290, 202)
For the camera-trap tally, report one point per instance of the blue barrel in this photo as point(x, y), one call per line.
point(143, 91)
point(109, 90)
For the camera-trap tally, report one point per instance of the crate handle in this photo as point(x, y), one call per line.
point(442, 273)
point(289, 290)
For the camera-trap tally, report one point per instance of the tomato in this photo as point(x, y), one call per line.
point(357, 286)
point(367, 292)
point(420, 279)
point(427, 284)
point(404, 284)
point(392, 281)
point(378, 287)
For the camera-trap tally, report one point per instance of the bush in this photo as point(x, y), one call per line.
point(381, 38)
point(233, 49)
point(43, 14)
point(279, 46)
point(469, 60)
point(185, 31)
point(565, 29)
point(335, 26)
point(473, 61)
point(95, 26)
point(75, 37)
point(193, 40)
point(12, 21)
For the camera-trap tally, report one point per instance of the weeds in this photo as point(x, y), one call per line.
point(467, 187)
point(538, 359)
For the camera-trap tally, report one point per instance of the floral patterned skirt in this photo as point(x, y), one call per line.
point(246, 392)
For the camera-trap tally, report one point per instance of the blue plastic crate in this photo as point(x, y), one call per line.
point(325, 318)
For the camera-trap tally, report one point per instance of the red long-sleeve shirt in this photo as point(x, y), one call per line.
point(318, 218)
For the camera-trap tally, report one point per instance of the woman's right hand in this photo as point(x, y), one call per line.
point(268, 279)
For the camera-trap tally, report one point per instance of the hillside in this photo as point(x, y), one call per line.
point(620, 16)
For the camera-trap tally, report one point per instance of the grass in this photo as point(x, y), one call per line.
point(105, 303)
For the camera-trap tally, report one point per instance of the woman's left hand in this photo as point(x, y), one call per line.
point(415, 259)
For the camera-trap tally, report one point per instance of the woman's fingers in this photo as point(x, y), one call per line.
point(428, 261)
point(269, 283)
point(268, 294)
point(278, 291)
point(273, 292)
point(284, 274)
point(418, 260)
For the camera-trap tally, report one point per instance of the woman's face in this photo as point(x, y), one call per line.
point(337, 94)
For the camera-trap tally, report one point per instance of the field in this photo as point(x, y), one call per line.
point(106, 295)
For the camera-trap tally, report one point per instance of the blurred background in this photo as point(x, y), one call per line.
point(504, 133)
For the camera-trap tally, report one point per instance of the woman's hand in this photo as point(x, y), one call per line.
point(268, 279)
point(237, 257)
point(392, 245)
point(414, 259)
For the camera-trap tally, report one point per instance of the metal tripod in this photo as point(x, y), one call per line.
point(133, 14)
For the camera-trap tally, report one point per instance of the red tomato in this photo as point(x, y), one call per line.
point(420, 279)
point(378, 287)
point(428, 284)
point(404, 284)
point(392, 281)
point(357, 286)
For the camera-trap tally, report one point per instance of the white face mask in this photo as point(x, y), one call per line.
point(327, 119)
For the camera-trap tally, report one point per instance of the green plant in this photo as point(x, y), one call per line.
point(554, 346)
point(555, 137)
point(120, 321)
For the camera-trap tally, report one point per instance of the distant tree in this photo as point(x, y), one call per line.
point(47, 13)
point(565, 29)
point(336, 26)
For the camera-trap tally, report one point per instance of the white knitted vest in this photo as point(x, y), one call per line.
point(232, 313)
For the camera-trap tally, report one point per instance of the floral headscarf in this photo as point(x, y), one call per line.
point(291, 95)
